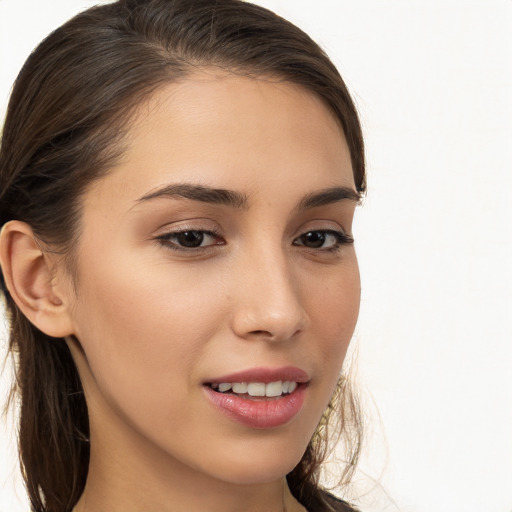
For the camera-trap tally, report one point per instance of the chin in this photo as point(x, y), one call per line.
point(259, 463)
point(255, 474)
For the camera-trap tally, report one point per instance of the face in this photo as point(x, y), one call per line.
point(218, 254)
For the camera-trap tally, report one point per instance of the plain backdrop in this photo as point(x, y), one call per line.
point(432, 81)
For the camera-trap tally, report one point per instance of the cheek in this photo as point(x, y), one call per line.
point(141, 330)
point(334, 305)
point(334, 309)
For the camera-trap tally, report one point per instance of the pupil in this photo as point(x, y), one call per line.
point(314, 239)
point(190, 238)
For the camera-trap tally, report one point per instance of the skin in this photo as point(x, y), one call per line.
point(148, 322)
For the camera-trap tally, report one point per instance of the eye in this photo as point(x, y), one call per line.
point(190, 239)
point(324, 239)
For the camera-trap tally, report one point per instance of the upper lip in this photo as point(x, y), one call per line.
point(264, 375)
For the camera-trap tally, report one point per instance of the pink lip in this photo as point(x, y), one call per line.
point(265, 375)
point(261, 413)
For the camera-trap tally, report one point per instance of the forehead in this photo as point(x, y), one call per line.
point(233, 131)
point(246, 102)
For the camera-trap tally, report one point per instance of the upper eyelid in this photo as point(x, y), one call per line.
point(167, 229)
point(300, 232)
point(202, 222)
point(188, 225)
point(322, 225)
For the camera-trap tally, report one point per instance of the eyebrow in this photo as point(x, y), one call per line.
point(236, 199)
point(200, 193)
point(328, 196)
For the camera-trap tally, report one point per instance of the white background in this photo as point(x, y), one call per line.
point(433, 83)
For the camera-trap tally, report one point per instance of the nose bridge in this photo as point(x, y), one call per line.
point(269, 299)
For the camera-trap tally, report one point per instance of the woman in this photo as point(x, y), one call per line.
point(178, 182)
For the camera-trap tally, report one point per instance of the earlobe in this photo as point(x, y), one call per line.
point(28, 276)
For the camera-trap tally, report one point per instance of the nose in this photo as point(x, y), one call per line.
point(268, 299)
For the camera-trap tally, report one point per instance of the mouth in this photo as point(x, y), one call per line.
point(255, 390)
point(259, 398)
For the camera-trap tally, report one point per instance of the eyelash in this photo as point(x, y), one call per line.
point(169, 240)
point(341, 239)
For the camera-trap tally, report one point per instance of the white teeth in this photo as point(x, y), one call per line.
point(239, 387)
point(256, 389)
point(272, 389)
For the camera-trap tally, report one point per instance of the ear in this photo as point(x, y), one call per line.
point(29, 277)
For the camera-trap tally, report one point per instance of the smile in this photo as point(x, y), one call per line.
point(256, 389)
point(260, 398)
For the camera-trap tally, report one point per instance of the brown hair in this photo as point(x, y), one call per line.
point(64, 129)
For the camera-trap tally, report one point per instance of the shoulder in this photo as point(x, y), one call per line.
point(326, 502)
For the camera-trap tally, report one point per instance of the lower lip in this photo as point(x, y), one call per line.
point(261, 413)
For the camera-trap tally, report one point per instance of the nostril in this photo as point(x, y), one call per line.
point(262, 333)
point(272, 336)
